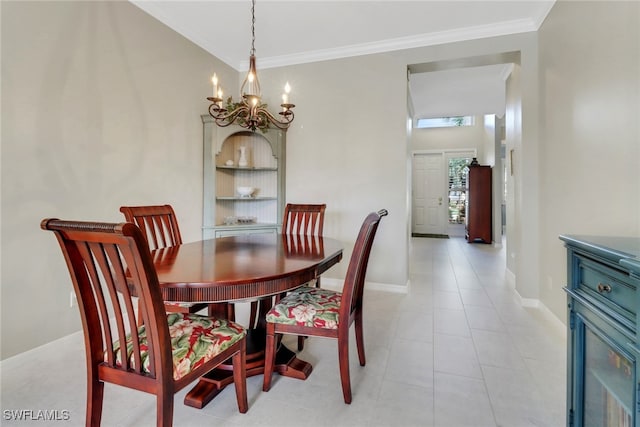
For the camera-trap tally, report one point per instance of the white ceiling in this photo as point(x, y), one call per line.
point(297, 31)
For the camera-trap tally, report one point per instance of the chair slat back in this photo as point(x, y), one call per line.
point(303, 219)
point(158, 224)
point(109, 264)
point(303, 247)
point(354, 281)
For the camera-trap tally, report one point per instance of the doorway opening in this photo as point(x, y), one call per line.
point(439, 192)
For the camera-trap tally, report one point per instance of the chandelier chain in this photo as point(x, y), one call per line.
point(253, 27)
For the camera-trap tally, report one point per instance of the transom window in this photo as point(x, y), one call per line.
point(442, 122)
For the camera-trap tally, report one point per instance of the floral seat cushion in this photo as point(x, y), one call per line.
point(179, 304)
point(307, 306)
point(195, 340)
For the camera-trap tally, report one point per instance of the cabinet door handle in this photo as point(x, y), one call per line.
point(604, 288)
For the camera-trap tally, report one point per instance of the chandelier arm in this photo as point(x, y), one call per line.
point(284, 124)
point(222, 123)
point(219, 113)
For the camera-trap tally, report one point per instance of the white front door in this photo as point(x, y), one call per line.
point(428, 194)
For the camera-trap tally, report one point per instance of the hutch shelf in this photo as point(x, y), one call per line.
point(602, 297)
point(235, 157)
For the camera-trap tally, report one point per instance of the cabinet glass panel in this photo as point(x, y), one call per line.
point(608, 385)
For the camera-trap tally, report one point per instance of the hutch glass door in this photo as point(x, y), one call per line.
point(608, 384)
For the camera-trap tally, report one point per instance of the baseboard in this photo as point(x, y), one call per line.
point(557, 323)
point(511, 278)
point(549, 316)
point(553, 319)
point(337, 284)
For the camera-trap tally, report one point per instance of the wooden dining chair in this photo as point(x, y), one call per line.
point(160, 353)
point(159, 226)
point(319, 312)
point(304, 220)
point(298, 220)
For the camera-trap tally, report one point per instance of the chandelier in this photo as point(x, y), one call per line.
point(250, 112)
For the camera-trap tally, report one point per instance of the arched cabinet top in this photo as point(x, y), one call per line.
point(219, 135)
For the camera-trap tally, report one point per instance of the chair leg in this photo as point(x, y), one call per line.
point(164, 409)
point(270, 356)
point(239, 361)
point(343, 359)
point(220, 310)
point(231, 312)
point(95, 394)
point(360, 338)
point(253, 314)
point(302, 338)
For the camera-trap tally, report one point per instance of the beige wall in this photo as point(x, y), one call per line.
point(513, 131)
point(590, 130)
point(346, 148)
point(100, 107)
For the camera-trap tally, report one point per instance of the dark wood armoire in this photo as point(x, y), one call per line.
point(478, 211)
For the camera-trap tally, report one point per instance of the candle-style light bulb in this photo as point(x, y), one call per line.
point(285, 96)
point(214, 81)
point(250, 77)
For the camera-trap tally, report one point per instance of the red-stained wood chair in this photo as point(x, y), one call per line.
point(303, 220)
point(298, 220)
point(159, 226)
point(319, 312)
point(159, 353)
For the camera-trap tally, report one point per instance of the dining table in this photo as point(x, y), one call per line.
point(241, 268)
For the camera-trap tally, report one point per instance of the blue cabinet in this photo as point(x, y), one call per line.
point(603, 387)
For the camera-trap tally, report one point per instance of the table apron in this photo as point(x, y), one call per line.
point(237, 292)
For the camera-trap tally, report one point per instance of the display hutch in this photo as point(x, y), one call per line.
point(602, 371)
point(478, 210)
point(235, 157)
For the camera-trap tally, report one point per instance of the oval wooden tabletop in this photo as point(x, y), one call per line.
point(242, 267)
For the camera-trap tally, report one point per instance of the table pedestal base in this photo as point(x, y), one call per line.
point(210, 385)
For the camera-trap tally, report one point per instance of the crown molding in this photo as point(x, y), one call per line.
point(421, 40)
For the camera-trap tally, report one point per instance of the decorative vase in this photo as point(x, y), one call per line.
point(243, 157)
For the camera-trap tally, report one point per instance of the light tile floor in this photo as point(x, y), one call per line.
point(457, 350)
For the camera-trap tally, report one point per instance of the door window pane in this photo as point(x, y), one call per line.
point(457, 189)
